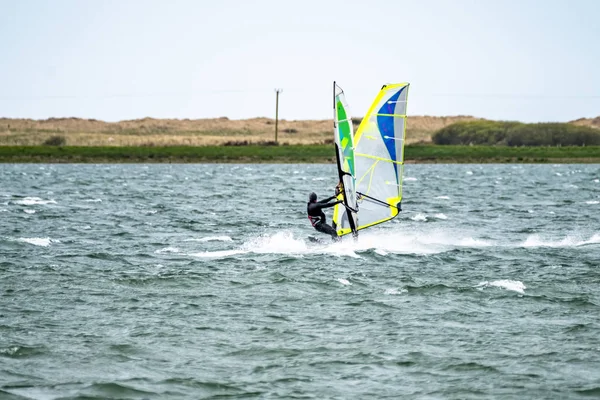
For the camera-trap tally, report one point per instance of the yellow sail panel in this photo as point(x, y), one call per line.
point(379, 156)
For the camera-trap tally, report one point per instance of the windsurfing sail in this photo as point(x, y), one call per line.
point(344, 214)
point(379, 156)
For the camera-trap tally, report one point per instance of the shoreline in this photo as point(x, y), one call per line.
point(291, 154)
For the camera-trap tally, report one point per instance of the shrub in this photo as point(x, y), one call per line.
point(516, 134)
point(55, 141)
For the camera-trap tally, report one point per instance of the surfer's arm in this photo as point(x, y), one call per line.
point(331, 204)
point(327, 200)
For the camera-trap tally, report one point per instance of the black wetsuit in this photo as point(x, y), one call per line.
point(317, 216)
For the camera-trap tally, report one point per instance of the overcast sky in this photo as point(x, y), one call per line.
point(524, 60)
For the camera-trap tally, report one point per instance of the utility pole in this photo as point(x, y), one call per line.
point(277, 91)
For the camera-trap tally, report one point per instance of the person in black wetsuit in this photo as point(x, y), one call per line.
point(316, 215)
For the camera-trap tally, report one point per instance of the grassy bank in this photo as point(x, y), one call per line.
point(290, 154)
point(516, 134)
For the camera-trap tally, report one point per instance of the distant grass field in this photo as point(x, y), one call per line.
point(289, 154)
point(199, 132)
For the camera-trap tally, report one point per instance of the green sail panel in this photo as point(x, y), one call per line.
point(344, 214)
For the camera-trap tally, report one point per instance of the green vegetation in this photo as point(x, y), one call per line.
point(506, 133)
point(55, 141)
point(289, 154)
point(501, 154)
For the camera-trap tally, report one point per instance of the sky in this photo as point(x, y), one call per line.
point(525, 60)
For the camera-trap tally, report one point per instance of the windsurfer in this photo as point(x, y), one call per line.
point(339, 188)
point(316, 215)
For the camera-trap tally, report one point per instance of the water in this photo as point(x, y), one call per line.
point(197, 281)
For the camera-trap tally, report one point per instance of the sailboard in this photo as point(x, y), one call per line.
point(379, 156)
point(344, 214)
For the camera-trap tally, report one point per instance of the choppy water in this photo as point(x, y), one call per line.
point(196, 281)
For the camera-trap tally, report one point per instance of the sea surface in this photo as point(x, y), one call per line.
point(198, 282)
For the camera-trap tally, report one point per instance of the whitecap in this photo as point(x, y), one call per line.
point(597, 180)
point(29, 211)
point(440, 216)
point(30, 201)
point(419, 217)
point(410, 179)
point(592, 202)
point(472, 242)
point(218, 254)
point(44, 242)
point(344, 281)
point(515, 286)
point(394, 291)
point(211, 239)
point(469, 172)
point(443, 197)
point(93, 200)
point(167, 250)
point(569, 241)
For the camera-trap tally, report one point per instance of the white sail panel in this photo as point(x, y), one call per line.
point(379, 156)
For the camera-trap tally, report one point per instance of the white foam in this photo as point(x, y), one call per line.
point(28, 211)
point(381, 241)
point(469, 172)
point(515, 286)
point(410, 179)
point(30, 201)
point(597, 180)
point(592, 202)
point(93, 200)
point(419, 217)
point(344, 281)
point(394, 291)
point(443, 197)
point(218, 254)
point(211, 239)
point(440, 216)
point(167, 250)
point(569, 241)
point(44, 242)
point(472, 242)
point(281, 243)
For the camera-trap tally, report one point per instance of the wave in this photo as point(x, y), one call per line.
point(30, 201)
point(381, 242)
point(515, 286)
point(569, 241)
point(169, 249)
point(211, 239)
point(44, 242)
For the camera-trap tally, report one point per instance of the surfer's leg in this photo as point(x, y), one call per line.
point(329, 230)
point(319, 227)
